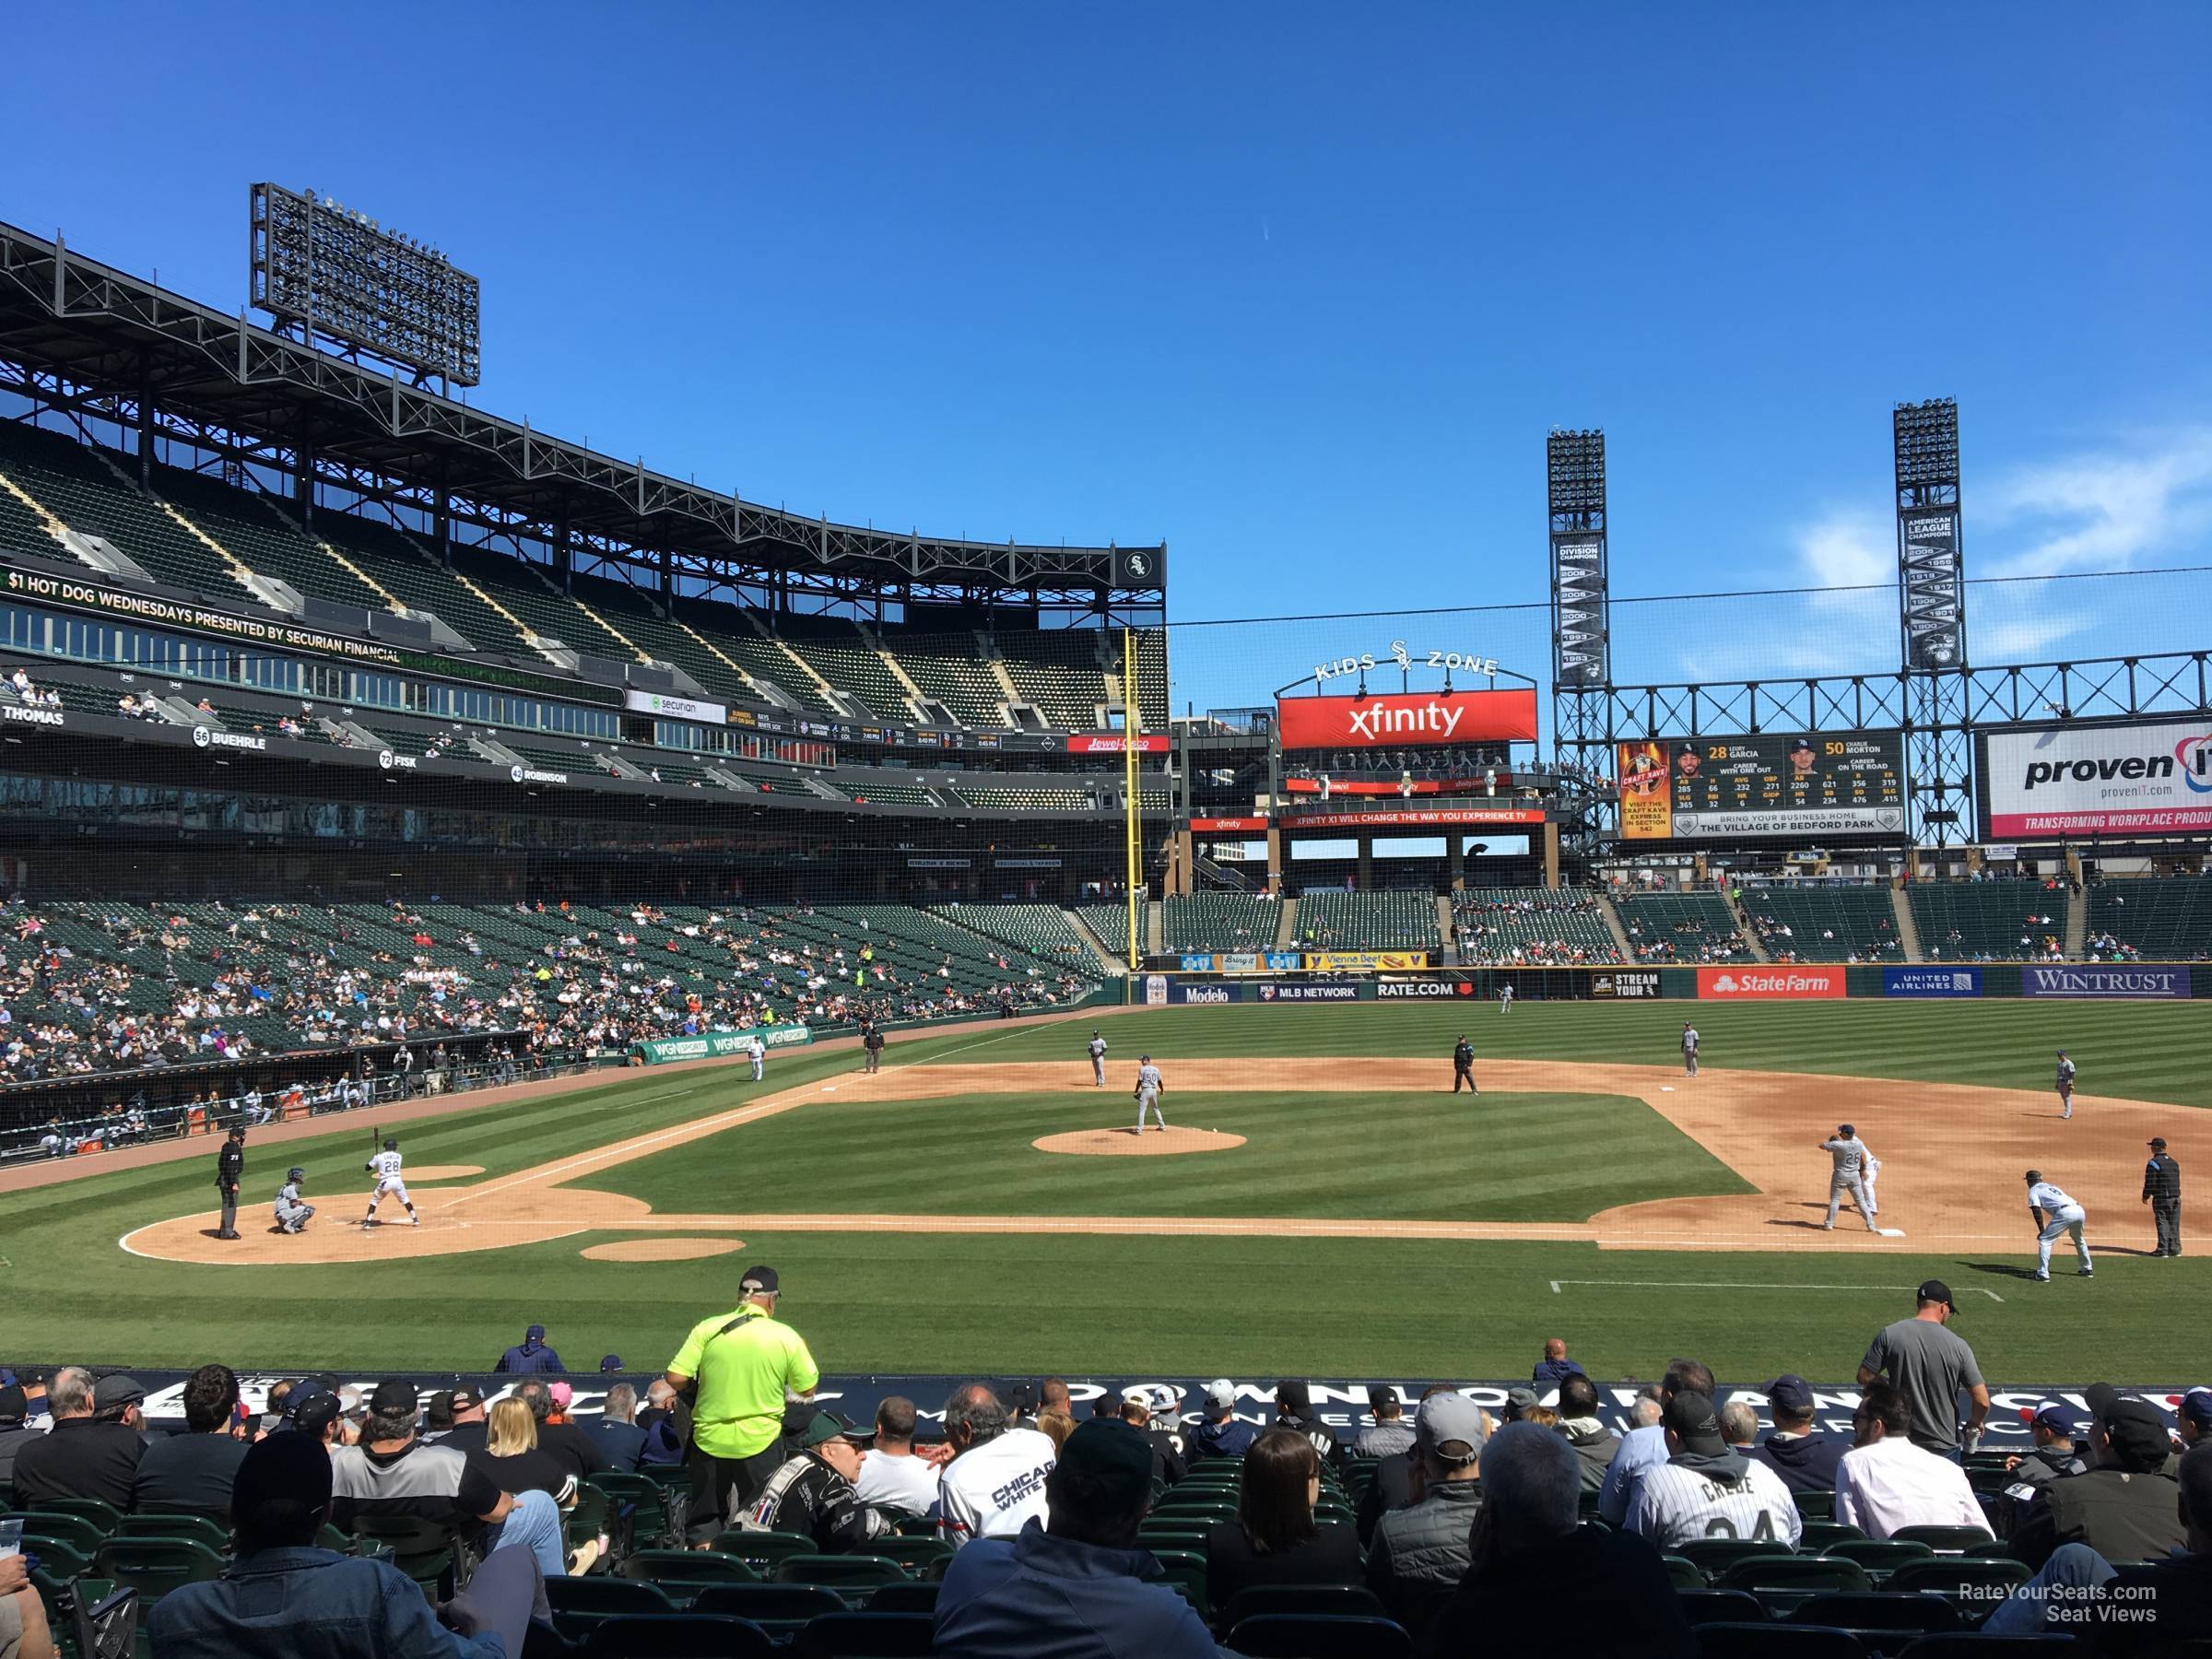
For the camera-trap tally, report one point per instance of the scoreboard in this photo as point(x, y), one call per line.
point(1771, 784)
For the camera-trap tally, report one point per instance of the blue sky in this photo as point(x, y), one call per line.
point(1299, 288)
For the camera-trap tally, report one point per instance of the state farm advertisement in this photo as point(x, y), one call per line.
point(1755, 983)
point(1426, 718)
point(2142, 779)
point(1113, 743)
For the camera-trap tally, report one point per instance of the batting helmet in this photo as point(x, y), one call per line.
point(295, 1173)
point(391, 1146)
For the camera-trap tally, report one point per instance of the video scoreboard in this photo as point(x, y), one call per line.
point(1776, 784)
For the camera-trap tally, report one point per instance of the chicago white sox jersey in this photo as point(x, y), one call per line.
point(386, 1166)
point(990, 1490)
point(1674, 1504)
point(1148, 1078)
point(1851, 1157)
point(2049, 1199)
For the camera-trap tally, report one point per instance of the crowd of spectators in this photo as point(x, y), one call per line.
point(1492, 931)
point(1470, 1532)
point(1688, 939)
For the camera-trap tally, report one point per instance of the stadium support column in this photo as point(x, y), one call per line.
point(1456, 861)
point(564, 553)
point(145, 421)
point(1932, 621)
point(1365, 863)
point(1582, 628)
point(1132, 801)
point(1551, 854)
point(303, 483)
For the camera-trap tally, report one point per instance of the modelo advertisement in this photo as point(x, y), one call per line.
point(1931, 981)
point(2140, 779)
point(1643, 983)
point(1820, 783)
point(1753, 983)
point(2116, 981)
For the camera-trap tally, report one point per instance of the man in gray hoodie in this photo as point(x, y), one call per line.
point(1594, 1443)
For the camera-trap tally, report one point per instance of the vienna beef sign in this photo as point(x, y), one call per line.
point(1398, 719)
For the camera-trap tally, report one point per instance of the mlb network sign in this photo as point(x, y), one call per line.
point(2094, 982)
point(1931, 981)
point(1755, 983)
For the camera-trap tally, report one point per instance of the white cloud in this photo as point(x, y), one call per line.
point(1852, 631)
point(2100, 512)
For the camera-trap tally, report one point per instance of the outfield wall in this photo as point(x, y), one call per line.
point(1731, 982)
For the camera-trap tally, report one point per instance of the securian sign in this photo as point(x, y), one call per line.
point(1400, 658)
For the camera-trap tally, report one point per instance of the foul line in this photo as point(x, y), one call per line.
point(1739, 1285)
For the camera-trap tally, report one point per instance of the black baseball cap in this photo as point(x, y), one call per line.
point(2157, 1143)
point(393, 1398)
point(113, 1393)
point(15, 1404)
point(760, 1281)
point(1803, 745)
point(316, 1413)
point(2196, 1405)
point(1690, 1417)
point(2136, 1431)
point(1936, 1290)
point(1117, 1458)
point(1790, 1394)
point(1382, 1397)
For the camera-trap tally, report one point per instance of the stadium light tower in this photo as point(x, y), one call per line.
point(1582, 630)
point(1932, 619)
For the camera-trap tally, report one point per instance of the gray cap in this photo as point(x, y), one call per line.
point(1448, 1417)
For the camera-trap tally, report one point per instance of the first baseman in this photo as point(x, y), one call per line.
point(2065, 1084)
point(292, 1214)
point(1689, 1050)
point(1097, 1060)
point(384, 1166)
point(2054, 1212)
point(1149, 1086)
point(757, 1052)
point(1848, 1163)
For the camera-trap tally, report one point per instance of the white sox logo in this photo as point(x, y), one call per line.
point(1432, 719)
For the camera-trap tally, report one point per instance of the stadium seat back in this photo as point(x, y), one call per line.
point(98, 1511)
point(1778, 1641)
point(1815, 1506)
point(1185, 1570)
point(1684, 1574)
point(421, 1549)
point(1815, 1537)
point(909, 1598)
point(761, 1549)
point(780, 1609)
point(80, 1535)
point(198, 1528)
point(154, 1566)
point(1719, 1606)
point(866, 1635)
point(1795, 1572)
point(1881, 1557)
point(1884, 1610)
point(690, 1566)
point(678, 1636)
point(914, 1554)
point(1318, 1636)
point(1353, 1601)
point(581, 1604)
point(1943, 1539)
point(1973, 1580)
point(839, 1570)
point(1715, 1555)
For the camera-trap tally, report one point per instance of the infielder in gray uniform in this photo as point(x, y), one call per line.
point(2065, 1084)
point(1850, 1160)
point(1097, 1061)
point(1689, 1050)
point(1149, 1088)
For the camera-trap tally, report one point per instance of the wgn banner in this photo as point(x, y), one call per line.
point(715, 1045)
point(1931, 981)
point(2116, 981)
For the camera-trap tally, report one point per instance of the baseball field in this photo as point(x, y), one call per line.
point(1322, 1205)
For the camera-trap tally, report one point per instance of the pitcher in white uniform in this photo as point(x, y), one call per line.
point(1149, 1086)
point(1849, 1162)
point(2053, 1213)
point(384, 1166)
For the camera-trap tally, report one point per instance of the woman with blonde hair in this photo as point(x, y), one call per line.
point(1057, 1424)
point(1274, 1539)
point(512, 1458)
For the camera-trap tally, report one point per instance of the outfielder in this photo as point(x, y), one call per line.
point(1848, 1163)
point(757, 1052)
point(1149, 1088)
point(292, 1216)
point(1097, 1061)
point(1505, 1000)
point(1689, 1050)
point(384, 1166)
point(2065, 1084)
point(2054, 1212)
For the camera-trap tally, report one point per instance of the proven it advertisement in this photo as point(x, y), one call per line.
point(2146, 778)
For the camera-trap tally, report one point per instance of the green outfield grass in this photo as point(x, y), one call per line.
point(1134, 1304)
point(1493, 1157)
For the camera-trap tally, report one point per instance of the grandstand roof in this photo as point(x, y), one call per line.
point(108, 337)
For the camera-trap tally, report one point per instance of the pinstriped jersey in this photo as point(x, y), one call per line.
point(1674, 1504)
point(385, 1166)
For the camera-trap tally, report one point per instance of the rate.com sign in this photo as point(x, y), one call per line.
point(1755, 983)
point(2140, 778)
point(1423, 718)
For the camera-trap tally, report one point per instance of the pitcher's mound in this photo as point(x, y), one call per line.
point(661, 1249)
point(1127, 1143)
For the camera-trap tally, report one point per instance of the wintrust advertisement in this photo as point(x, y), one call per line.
point(2147, 778)
point(1426, 718)
point(2117, 981)
point(1753, 983)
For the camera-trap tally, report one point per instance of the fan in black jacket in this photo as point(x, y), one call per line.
point(812, 1493)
